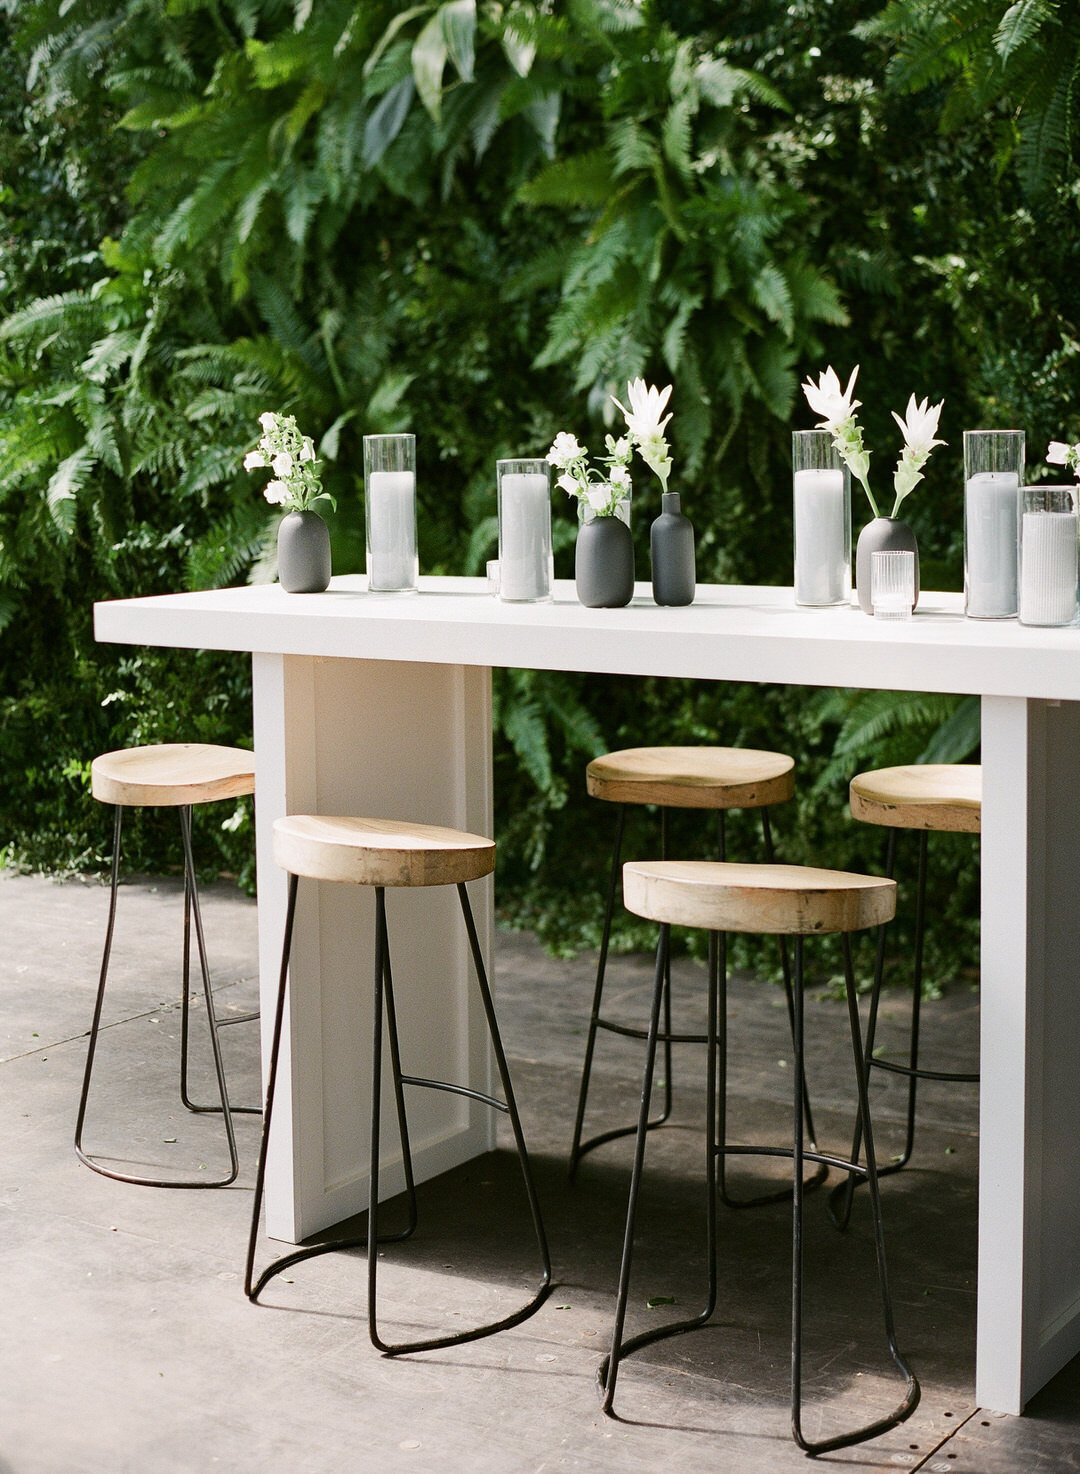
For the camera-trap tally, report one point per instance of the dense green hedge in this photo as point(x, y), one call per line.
point(475, 221)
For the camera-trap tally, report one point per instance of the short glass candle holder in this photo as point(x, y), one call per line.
point(993, 476)
point(821, 489)
point(526, 565)
point(393, 565)
point(892, 584)
point(1049, 542)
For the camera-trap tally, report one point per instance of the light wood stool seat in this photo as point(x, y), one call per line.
point(775, 900)
point(927, 798)
point(790, 900)
point(173, 774)
point(692, 777)
point(937, 796)
point(383, 854)
point(711, 778)
point(379, 852)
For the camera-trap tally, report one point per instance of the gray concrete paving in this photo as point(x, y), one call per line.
point(126, 1343)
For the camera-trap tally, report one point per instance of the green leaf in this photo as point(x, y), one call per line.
point(400, 20)
point(387, 119)
point(429, 62)
point(958, 737)
point(458, 18)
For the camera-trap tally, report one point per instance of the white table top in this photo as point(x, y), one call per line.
point(728, 634)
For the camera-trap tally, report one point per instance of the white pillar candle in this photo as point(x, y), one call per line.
point(991, 535)
point(1048, 567)
point(524, 536)
point(821, 571)
point(392, 558)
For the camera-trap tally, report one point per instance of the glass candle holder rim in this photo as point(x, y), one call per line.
point(994, 432)
point(535, 464)
point(398, 435)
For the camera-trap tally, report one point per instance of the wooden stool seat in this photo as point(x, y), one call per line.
point(174, 773)
point(939, 796)
point(692, 777)
point(769, 899)
point(379, 852)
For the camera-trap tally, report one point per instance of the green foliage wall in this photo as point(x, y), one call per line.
point(475, 221)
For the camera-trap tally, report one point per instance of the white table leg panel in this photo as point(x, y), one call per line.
point(392, 740)
point(1029, 1182)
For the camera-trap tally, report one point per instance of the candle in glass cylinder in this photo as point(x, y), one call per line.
point(392, 557)
point(991, 536)
point(524, 536)
point(821, 568)
point(1048, 567)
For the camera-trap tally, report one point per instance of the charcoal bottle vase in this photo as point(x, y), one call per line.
point(604, 563)
point(303, 553)
point(882, 535)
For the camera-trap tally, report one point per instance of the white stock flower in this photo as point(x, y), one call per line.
point(253, 460)
point(276, 493)
point(598, 496)
point(564, 449)
point(647, 403)
point(282, 463)
point(568, 484)
point(620, 476)
point(268, 421)
point(1058, 453)
point(828, 401)
point(920, 426)
point(307, 450)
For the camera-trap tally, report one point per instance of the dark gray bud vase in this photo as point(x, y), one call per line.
point(671, 543)
point(883, 535)
point(604, 563)
point(303, 553)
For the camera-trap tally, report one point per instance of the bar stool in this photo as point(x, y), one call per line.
point(926, 797)
point(172, 775)
point(780, 900)
point(714, 778)
point(381, 853)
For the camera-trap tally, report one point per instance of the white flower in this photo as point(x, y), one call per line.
point(828, 401)
point(643, 418)
point(598, 496)
point(568, 484)
point(1060, 454)
point(268, 421)
point(307, 450)
point(282, 463)
point(920, 426)
point(276, 493)
point(564, 449)
point(620, 476)
point(253, 460)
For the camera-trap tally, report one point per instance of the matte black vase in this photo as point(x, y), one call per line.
point(303, 550)
point(604, 563)
point(883, 535)
point(671, 544)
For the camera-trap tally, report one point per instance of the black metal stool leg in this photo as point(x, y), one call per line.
point(608, 1371)
point(95, 1166)
point(912, 1394)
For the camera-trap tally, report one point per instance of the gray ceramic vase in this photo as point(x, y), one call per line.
point(303, 550)
point(604, 563)
point(671, 544)
point(883, 535)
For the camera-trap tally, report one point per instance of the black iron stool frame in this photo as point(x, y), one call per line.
point(607, 1373)
point(384, 998)
point(224, 1108)
point(841, 1198)
point(578, 1149)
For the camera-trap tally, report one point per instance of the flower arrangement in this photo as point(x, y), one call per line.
point(291, 457)
point(604, 491)
point(1059, 453)
point(836, 410)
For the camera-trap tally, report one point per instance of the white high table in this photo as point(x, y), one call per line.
point(380, 705)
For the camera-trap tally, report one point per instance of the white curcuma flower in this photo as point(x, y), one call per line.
point(830, 403)
point(645, 418)
point(254, 460)
point(276, 493)
point(919, 426)
point(564, 449)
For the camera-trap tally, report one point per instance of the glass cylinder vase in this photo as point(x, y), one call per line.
point(393, 565)
point(993, 476)
point(821, 488)
point(526, 566)
point(1049, 542)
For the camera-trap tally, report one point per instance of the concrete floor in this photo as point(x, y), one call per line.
point(126, 1343)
